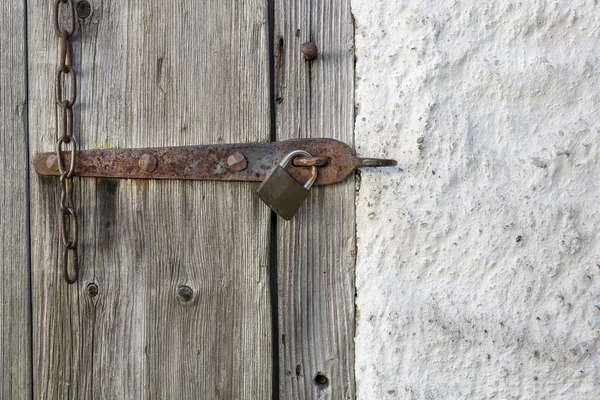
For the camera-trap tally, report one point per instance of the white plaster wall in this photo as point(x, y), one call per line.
point(478, 264)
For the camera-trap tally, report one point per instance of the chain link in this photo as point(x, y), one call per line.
point(68, 216)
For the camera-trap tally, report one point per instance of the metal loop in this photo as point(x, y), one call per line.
point(70, 279)
point(64, 45)
point(69, 213)
point(59, 155)
point(67, 122)
point(290, 157)
point(57, 30)
point(66, 192)
point(68, 70)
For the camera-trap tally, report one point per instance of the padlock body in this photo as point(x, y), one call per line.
point(282, 193)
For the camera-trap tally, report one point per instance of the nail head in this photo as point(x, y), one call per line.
point(236, 162)
point(147, 163)
point(309, 49)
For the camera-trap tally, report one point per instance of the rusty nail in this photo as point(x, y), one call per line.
point(147, 163)
point(236, 162)
point(309, 49)
point(375, 162)
point(83, 9)
point(52, 162)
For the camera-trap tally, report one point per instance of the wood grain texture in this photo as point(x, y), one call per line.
point(15, 356)
point(316, 250)
point(155, 73)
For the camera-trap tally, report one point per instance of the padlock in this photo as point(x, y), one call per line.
point(282, 193)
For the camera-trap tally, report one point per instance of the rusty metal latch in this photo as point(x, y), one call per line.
point(219, 162)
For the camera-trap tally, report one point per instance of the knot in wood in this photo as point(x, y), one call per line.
point(92, 290)
point(185, 293)
point(321, 380)
point(83, 9)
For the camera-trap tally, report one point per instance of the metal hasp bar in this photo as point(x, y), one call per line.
point(218, 162)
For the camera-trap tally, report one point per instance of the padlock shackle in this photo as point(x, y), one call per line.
point(286, 160)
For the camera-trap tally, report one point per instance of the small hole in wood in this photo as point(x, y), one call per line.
point(321, 381)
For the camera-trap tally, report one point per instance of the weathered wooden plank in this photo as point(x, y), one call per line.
point(15, 358)
point(316, 249)
point(181, 268)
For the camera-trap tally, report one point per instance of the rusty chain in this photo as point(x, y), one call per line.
point(68, 216)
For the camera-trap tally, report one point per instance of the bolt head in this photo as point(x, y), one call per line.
point(237, 162)
point(147, 163)
point(309, 49)
point(52, 162)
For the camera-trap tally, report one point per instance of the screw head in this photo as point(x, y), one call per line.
point(83, 9)
point(309, 49)
point(236, 162)
point(147, 163)
point(52, 162)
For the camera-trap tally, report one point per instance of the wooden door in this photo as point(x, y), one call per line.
point(187, 290)
point(315, 251)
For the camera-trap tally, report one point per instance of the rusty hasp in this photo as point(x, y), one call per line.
point(219, 162)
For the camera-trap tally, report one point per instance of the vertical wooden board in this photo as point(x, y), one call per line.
point(154, 73)
point(316, 249)
point(14, 290)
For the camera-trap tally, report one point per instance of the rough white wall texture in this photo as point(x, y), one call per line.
point(478, 265)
